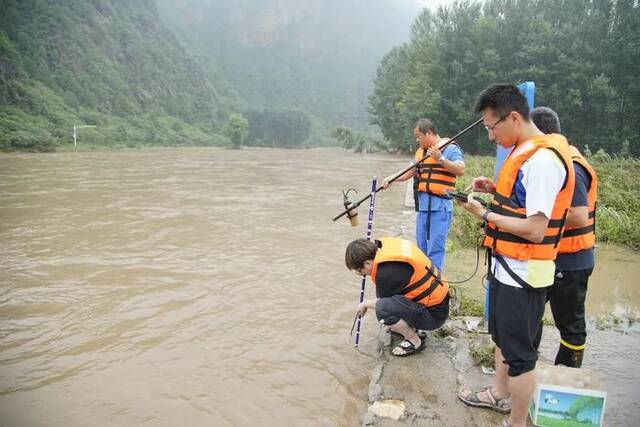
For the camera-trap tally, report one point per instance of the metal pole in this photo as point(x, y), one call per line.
point(75, 133)
point(372, 203)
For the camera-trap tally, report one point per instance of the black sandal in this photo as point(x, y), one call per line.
point(422, 333)
point(409, 348)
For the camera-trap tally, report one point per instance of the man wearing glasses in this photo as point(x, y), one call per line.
point(523, 228)
point(411, 294)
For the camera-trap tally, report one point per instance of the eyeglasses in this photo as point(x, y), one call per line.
point(491, 127)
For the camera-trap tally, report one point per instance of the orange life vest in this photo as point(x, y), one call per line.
point(432, 176)
point(510, 245)
point(426, 285)
point(577, 239)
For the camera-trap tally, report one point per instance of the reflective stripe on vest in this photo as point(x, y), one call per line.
point(516, 247)
point(426, 285)
point(432, 176)
point(578, 239)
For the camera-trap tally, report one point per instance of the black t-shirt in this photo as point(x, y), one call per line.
point(581, 260)
point(393, 276)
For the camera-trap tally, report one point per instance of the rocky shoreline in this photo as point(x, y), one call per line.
point(420, 390)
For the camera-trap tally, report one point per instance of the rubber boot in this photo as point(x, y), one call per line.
point(569, 357)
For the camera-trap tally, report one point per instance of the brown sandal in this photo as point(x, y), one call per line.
point(471, 398)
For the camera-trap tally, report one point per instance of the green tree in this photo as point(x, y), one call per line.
point(387, 106)
point(357, 141)
point(236, 129)
point(346, 136)
point(583, 56)
point(277, 128)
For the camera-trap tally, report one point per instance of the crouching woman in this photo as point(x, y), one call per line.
point(411, 294)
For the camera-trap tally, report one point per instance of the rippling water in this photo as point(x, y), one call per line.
point(182, 286)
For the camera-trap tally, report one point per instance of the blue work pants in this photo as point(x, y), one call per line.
point(434, 248)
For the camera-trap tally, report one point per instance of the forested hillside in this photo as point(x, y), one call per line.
point(584, 57)
point(112, 64)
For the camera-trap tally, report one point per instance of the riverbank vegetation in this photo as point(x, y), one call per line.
point(618, 212)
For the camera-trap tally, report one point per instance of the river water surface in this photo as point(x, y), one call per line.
point(190, 287)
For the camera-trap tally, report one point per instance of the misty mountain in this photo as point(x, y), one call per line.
point(169, 72)
point(318, 56)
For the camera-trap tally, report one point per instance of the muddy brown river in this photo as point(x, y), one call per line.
point(196, 286)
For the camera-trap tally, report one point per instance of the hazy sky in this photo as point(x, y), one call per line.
point(431, 4)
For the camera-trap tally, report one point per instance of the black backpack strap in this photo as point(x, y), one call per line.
point(519, 280)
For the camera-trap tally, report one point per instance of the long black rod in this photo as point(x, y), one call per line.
point(413, 165)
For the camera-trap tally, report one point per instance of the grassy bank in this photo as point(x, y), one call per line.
point(618, 200)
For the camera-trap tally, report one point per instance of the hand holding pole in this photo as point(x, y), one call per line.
point(413, 165)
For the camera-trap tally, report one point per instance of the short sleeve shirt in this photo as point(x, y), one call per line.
point(392, 277)
point(584, 259)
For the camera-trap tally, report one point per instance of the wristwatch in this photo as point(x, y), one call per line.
point(485, 215)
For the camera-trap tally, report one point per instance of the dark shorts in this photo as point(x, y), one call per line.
point(566, 297)
point(515, 324)
point(391, 310)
